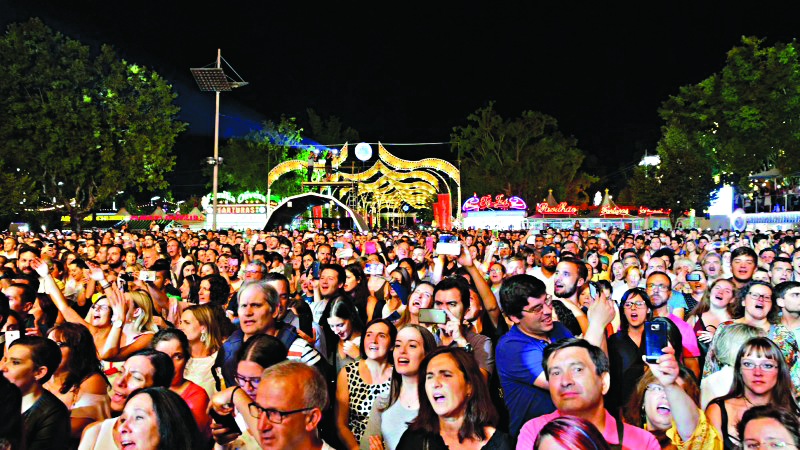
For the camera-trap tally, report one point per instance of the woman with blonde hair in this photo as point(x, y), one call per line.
point(132, 325)
point(202, 325)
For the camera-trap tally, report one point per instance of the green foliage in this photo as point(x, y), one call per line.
point(746, 118)
point(682, 180)
point(248, 160)
point(78, 128)
point(329, 131)
point(523, 157)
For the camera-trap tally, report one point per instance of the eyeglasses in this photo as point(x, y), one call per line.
point(273, 415)
point(765, 366)
point(538, 308)
point(658, 287)
point(241, 380)
point(760, 297)
point(634, 305)
point(655, 388)
point(770, 443)
point(100, 308)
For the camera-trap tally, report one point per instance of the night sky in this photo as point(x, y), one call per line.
point(408, 73)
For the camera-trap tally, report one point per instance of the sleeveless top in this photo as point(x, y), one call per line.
point(362, 395)
point(729, 442)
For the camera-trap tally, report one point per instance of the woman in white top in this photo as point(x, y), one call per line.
point(201, 324)
point(390, 414)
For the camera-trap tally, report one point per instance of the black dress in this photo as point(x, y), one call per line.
point(47, 423)
point(418, 439)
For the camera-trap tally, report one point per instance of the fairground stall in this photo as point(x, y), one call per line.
point(560, 215)
point(494, 212)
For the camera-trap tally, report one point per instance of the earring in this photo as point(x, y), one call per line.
point(203, 337)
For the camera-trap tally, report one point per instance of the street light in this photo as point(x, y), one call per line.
point(214, 79)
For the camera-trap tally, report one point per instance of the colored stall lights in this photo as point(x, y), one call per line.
point(499, 202)
point(613, 211)
point(643, 211)
point(561, 208)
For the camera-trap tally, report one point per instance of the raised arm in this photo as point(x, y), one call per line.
point(488, 299)
point(58, 297)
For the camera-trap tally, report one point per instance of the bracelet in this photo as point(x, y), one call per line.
point(105, 284)
point(233, 393)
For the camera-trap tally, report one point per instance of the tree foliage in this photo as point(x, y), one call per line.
point(78, 128)
point(746, 117)
point(328, 131)
point(525, 156)
point(248, 159)
point(681, 181)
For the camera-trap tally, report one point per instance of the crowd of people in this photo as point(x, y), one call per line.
point(386, 340)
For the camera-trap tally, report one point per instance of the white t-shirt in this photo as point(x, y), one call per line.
point(549, 283)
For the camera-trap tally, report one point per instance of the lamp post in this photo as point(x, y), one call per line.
point(214, 79)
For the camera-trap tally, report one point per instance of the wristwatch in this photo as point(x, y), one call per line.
point(117, 324)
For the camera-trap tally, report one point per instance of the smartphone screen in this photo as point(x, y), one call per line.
point(374, 269)
point(315, 270)
point(655, 335)
point(430, 315)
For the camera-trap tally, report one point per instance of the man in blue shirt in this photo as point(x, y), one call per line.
point(518, 357)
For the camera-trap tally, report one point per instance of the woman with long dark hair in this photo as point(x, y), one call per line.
point(346, 325)
point(761, 377)
point(626, 345)
point(78, 381)
point(155, 418)
point(391, 413)
point(355, 285)
point(572, 433)
point(173, 343)
point(360, 382)
point(455, 410)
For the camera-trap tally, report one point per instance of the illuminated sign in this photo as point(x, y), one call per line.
point(561, 208)
point(88, 218)
point(613, 211)
point(649, 212)
point(192, 217)
point(241, 209)
point(242, 198)
point(500, 202)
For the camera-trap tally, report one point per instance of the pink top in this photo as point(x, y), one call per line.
point(688, 336)
point(632, 437)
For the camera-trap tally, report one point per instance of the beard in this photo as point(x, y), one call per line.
point(567, 293)
point(550, 268)
point(116, 265)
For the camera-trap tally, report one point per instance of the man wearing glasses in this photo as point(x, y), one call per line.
point(519, 353)
point(659, 289)
point(287, 409)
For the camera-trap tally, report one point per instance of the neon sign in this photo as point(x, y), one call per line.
point(499, 202)
point(561, 208)
point(242, 198)
point(643, 211)
point(613, 211)
point(192, 217)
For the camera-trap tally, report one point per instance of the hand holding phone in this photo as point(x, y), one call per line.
point(655, 335)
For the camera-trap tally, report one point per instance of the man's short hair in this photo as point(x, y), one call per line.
point(28, 294)
point(340, 274)
point(161, 265)
point(747, 251)
point(269, 292)
point(516, 290)
point(459, 283)
point(29, 249)
point(664, 274)
point(315, 390)
point(781, 288)
point(275, 276)
point(665, 251)
point(583, 272)
point(599, 359)
point(44, 353)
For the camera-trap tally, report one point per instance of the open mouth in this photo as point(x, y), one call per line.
point(118, 398)
point(438, 398)
point(373, 348)
point(663, 410)
point(634, 316)
point(402, 361)
point(127, 444)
